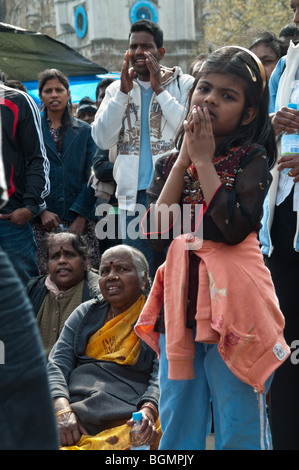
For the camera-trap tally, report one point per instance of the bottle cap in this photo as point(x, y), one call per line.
point(137, 416)
point(292, 105)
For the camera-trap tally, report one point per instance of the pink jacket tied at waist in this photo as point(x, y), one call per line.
point(237, 308)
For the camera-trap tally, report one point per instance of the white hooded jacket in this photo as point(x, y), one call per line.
point(118, 121)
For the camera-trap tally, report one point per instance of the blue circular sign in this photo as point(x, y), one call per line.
point(80, 21)
point(143, 10)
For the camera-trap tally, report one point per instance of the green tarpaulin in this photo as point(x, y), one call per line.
point(24, 54)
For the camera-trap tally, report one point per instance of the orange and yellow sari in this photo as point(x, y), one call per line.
point(116, 342)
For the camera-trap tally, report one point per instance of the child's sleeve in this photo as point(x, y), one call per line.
point(235, 212)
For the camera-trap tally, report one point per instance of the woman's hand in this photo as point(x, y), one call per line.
point(78, 226)
point(50, 220)
point(287, 120)
point(147, 432)
point(291, 162)
point(199, 136)
point(69, 427)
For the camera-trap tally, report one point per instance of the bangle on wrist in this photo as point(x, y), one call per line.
point(64, 410)
point(150, 405)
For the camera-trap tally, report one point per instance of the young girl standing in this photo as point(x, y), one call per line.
point(212, 314)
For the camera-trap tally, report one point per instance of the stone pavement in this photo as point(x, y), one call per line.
point(210, 442)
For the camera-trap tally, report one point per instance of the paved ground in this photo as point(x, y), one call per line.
point(211, 442)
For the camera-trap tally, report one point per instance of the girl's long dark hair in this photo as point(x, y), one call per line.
point(260, 130)
point(50, 74)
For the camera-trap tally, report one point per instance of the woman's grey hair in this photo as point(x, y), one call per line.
point(138, 260)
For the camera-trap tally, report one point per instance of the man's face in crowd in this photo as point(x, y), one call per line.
point(141, 42)
point(294, 4)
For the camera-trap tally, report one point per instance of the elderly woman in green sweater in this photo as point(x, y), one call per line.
point(68, 283)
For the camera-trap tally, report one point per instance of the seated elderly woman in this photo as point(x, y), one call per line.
point(100, 371)
point(69, 282)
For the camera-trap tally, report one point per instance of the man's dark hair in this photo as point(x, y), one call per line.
point(150, 27)
point(15, 84)
point(269, 39)
point(103, 84)
point(289, 30)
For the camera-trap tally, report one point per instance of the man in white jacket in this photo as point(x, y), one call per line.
point(141, 113)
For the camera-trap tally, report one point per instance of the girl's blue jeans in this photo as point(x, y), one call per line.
point(239, 412)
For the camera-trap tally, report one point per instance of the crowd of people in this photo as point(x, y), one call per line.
point(110, 304)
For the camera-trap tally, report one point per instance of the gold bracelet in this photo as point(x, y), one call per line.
point(64, 410)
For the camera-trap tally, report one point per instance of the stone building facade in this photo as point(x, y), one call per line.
point(99, 29)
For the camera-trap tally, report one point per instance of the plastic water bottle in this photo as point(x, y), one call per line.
point(134, 438)
point(289, 142)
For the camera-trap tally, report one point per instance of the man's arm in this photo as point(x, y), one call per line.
point(109, 117)
point(34, 151)
point(30, 144)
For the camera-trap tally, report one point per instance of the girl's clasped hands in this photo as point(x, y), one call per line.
point(198, 129)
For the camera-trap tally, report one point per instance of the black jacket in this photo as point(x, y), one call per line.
point(24, 156)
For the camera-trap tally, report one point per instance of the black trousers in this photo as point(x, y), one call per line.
point(27, 420)
point(284, 267)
